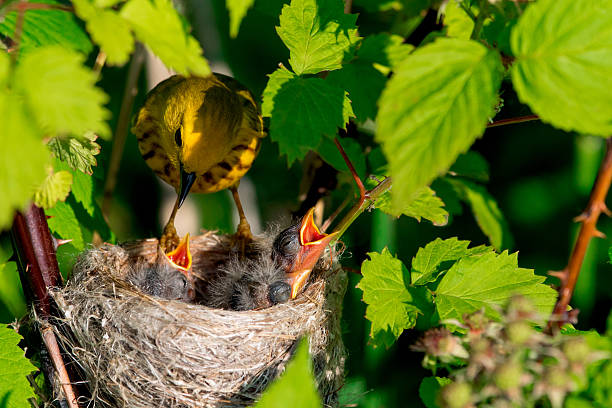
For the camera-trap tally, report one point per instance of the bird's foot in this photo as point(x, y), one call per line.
point(242, 238)
point(169, 239)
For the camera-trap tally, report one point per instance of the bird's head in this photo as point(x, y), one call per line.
point(298, 248)
point(205, 131)
point(180, 257)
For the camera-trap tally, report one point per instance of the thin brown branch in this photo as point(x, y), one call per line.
point(348, 6)
point(512, 121)
point(588, 230)
point(100, 60)
point(58, 363)
point(131, 90)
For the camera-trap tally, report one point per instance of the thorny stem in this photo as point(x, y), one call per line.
point(56, 357)
point(131, 89)
point(362, 191)
point(596, 205)
point(511, 121)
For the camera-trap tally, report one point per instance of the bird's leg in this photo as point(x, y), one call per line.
point(243, 235)
point(169, 238)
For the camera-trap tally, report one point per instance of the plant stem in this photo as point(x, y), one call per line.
point(511, 121)
point(131, 90)
point(479, 23)
point(588, 230)
point(58, 363)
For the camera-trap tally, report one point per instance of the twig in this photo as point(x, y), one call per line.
point(511, 121)
point(360, 186)
point(58, 363)
point(480, 19)
point(100, 60)
point(596, 205)
point(131, 89)
point(348, 5)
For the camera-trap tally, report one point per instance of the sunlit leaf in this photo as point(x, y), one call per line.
point(15, 389)
point(64, 223)
point(433, 108)
point(237, 11)
point(296, 387)
point(317, 33)
point(78, 153)
point(302, 110)
point(384, 49)
point(488, 281)
point(563, 67)
point(157, 24)
point(55, 187)
point(423, 204)
point(61, 92)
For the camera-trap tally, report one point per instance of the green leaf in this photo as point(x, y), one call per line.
point(428, 390)
point(302, 110)
point(317, 33)
point(330, 153)
point(82, 187)
point(47, 27)
point(157, 24)
point(64, 223)
point(390, 303)
point(472, 165)
point(423, 204)
point(488, 281)
point(364, 84)
point(56, 187)
point(62, 92)
point(20, 143)
point(563, 67)
point(15, 388)
point(111, 32)
point(488, 215)
point(433, 259)
point(433, 108)
point(457, 22)
point(78, 153)
point(384, 49)
point(237, 11)
point(11, 292)
point(296, 387)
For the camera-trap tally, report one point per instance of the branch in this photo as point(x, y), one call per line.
point(588, 230)
point(511, 121)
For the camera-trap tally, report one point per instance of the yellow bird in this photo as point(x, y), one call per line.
point(200, 135)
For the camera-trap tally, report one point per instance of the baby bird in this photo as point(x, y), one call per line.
point(276, 275)
point(169, 277)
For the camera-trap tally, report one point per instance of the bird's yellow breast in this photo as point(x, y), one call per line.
point(220, 131)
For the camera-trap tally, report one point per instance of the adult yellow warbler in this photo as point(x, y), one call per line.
point(200, 135)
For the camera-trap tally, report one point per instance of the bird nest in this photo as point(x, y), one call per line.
point(141, 351)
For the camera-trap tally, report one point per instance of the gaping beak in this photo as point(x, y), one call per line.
point(312, 245)
point(187, 180)
point(180, 258)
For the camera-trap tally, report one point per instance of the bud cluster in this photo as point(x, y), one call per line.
point(506, 362)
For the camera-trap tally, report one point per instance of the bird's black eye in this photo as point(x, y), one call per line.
point(286, 246)
point(177, 137)
point(279, 292)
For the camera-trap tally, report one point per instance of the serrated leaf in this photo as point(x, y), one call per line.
point(428, 390)
point(64, 223)
point(47, 27)
point(20, 143)
point(15, 389)
point(317, 33)
point(488, 281)
point(457, 22)
point(385, 49)
point(364, 84)
point(55, 187)
point(82, 187)
point(111, 32)
point(330, 153)
point(486, 212)
point(563, 67)
point(432, 260)
point(302, 110)
point(237, 11)
point(423, 204)
point(390, 303)
point(78, 153)
point(62, 92)
point(157, 24)
point(433, 108)
point(296, 386)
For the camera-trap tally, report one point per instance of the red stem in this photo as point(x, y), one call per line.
point(588, 230)
point(511, 121)
point(362, 190)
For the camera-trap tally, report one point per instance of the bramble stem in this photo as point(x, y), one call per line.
point(588, 230)
point(362, 191)
point(511, 121)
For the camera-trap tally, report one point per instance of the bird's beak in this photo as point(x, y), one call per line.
point(312, 245)
point(180, 258)
point(187, 180)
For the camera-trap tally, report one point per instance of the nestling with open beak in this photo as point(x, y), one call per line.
point(169, 277)
point(278, 273)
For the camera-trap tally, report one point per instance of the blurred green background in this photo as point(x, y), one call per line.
point(540, 177)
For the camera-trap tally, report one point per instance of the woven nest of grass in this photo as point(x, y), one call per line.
point(140, 351)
